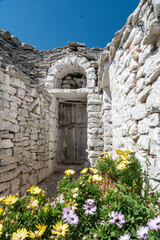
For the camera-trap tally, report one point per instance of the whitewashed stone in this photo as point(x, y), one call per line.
point(143, 95)
point(139, 111)
point(153, 100)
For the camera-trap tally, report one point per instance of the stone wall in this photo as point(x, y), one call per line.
point(120, 85)
point(130, 70)
point(27, 137)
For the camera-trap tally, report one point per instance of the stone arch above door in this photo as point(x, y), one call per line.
point(67, 65)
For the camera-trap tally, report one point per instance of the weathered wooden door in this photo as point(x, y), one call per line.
point(72, 133)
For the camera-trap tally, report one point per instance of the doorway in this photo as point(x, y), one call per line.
point(72, 133)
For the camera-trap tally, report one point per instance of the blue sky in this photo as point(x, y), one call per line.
point(48, 24)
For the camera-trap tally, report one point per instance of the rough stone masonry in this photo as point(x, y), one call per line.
point(62, 107)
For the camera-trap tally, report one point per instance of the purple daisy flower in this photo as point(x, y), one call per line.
point(120, 220)
point(89, 209)
point(154, 223)
point(117, 218)
point(125, 237)
point(142, 233)
point(113, 216)
point(66, 212)
point(72, 219)
point(90, 202)
point(158, 200)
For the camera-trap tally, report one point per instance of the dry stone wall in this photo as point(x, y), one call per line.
point(27, 134)
point(120, 86)
point(130, 70)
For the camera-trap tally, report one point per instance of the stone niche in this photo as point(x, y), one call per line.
point(73, 81)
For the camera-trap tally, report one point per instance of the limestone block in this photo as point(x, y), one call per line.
point(4, 153)
point(140, 85)
point(131, 98)
point(6, 79)
point(139, 111)
point(91, 83)
point(7, 176)
point(8, 89)
point(145, 54)
point(15, 185)
point(143, 126)
point(32, 106)
point(15, 99)
point(141, 72)
point(2, 77)
point(143, 142)
point(154, 134)
point(130, 83)
point(11, 159)
point(6, 135)
point(152, 34)
point(24, 178)
point(42, 174)
point(94, 114)
point(153, 76)
point(7, 143)
point(132, 35)
point(92, 125)
point(4, 186)
point(94, 108)
point(95, 130)
point(32, 179)
point(15, 82)
point(85, 64)
point(21, 93)
point(23, 112)
point(133, 65)
point(154, 120)
point(156, 5)
point(8, 167)
point(137, 39)
point(153, 100)
point(142, 96)
point(94, 101)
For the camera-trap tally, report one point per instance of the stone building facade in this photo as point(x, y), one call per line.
point(62, 107)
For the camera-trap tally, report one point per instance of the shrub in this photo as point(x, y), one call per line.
point(85, 208)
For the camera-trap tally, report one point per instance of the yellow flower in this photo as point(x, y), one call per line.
point(90, 178)
point(105, 155)
point(75, 195)
point(122, 165)
point(69, 172)
point(127, 151)
point(74, 190)
point(93, 170)
point(124, 157)
point(20, 234)
point(84, 171)
point(34, 190)
point(2, 198)
point(33, 202)
point(1, 227)
point(96, 178)
point(1, 210)
point(41, 229)
point(10, 200)
point(72, 204)
point(60, 229)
